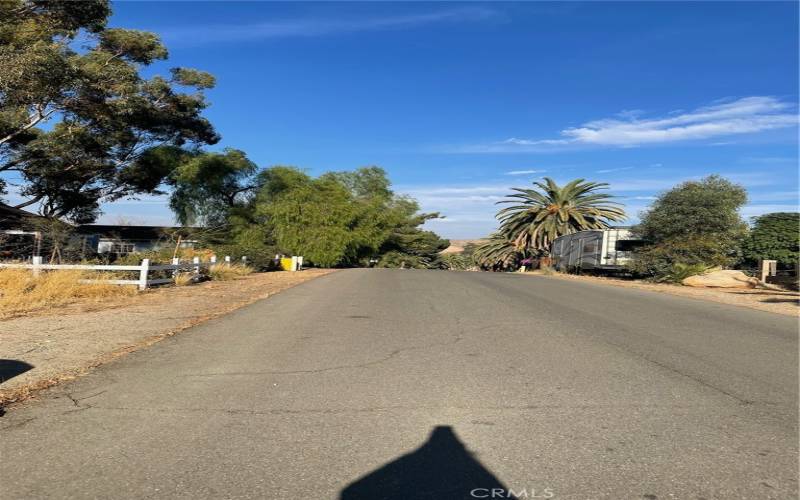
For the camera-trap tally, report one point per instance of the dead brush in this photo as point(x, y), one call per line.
point(22, 292)
point(225, 272)
point(184, 279)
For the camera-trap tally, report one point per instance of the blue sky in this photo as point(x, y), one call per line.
point(460, 101)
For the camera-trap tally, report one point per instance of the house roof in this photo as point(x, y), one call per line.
point(130, 232)
point(14, 218)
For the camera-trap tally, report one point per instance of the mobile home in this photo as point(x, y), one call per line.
point(601, 249)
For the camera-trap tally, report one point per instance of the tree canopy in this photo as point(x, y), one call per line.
point(102, 117)
point(207, 187)
point(774, 236)
point(538, 216)
point(694, 223)
point(337, 219)
point(706, 207)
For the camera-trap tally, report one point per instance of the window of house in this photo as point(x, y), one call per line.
point(122, 248)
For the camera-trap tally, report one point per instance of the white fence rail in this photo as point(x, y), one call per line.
point(144, 269)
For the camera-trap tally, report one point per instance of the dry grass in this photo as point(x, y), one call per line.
point(184, 279)
point(226, 272)
point(21, 292)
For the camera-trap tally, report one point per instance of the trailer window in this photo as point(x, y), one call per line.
point(628, 245)
point(589, 246)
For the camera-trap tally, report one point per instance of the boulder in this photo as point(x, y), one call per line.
point(727, 278)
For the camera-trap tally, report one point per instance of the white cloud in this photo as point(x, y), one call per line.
point(747, 115)
point(609, 170)
point(314, 27)
point(525, 172)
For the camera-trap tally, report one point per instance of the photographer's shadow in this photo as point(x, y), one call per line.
point(441, 469)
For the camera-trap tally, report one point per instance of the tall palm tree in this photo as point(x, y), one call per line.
point(497, 252)
point(548, 211)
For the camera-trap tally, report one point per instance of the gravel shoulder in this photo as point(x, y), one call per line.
point(787, 302)
point(65, 343)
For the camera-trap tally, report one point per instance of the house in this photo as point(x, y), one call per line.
point(15, 219)
point(122, 240)
point(19, 234)
point(601, 249)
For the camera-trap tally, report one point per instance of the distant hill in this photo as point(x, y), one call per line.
point(457, 246)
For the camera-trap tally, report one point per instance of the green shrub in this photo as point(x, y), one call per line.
point(657, 261)
point(679, 272)
point(694, 223)
point(456, 261)
point(774, 236)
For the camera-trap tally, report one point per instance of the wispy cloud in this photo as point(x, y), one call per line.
point(609, 170)
point(747, 115)
point(525, 172)
point(328, 26)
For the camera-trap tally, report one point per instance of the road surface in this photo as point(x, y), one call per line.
point(406, 384)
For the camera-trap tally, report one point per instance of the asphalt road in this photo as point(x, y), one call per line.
point(369, 384)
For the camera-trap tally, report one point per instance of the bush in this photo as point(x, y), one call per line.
point(226, 272)
point(457, 261)
point(774, 236)
point(184, 279)
point(679, 272)
point(658, 261)
point(395, 259)
point(694, 223)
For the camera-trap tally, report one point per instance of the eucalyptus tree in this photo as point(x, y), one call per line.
point(78, 122)
point(539, 215)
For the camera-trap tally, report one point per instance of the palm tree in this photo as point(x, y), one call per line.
point(497, 252)
point(548, 211)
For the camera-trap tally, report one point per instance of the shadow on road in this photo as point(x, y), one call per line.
point(10, 368)
point(441, 469)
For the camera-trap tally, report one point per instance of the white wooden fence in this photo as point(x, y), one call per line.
point(144, 269)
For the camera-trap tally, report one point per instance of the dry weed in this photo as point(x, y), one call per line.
point(225, 272)
point(21, 292)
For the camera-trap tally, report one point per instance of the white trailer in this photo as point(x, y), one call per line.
point(601, 249)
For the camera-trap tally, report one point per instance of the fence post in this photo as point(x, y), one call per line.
point(768, 268)
point(176, 261)
point(244, 260)
point(196, 265)
point(227, 259)
point(143, 271)
point(37, 261)
point(213, 259)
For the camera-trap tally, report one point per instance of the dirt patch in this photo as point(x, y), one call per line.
point(65, 343)
point(764, 300)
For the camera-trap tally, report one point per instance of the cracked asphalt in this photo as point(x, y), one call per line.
point(404, 384)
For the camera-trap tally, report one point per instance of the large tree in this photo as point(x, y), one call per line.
point(694, 223)
point(209, 187)
point(408, 244)
point(344, 218)
point(774, 236)
point(78, 123)
point(542, 214)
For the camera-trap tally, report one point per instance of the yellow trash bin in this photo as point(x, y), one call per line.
point(286, 263)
